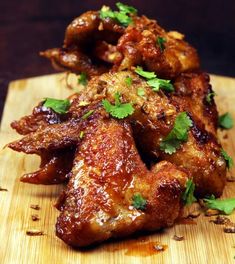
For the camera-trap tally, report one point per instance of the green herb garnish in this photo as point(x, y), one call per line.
point(154, 82)
point(226, 206)
point(121, 16)
point(128, 81)
point(139, 202)
point(148, 75)
point(188, 195)
point(228, 159)
point(141, 92)
point(226, 121)
point(57, 105)
point(82, 79)
point(118, 110)
point(210, 96)
point(160, 43)
point(87, 114)
point(81, 134)
point(178, 134)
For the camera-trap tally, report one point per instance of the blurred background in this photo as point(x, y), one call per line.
point(27, 27)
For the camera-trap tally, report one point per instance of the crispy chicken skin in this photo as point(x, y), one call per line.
point(107, 172)
point(94, 46)
point(154, 118)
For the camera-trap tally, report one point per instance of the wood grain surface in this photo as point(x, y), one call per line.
point(204, 242)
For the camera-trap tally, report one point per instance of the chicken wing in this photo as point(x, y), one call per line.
point(107, 174)
point(95, 45)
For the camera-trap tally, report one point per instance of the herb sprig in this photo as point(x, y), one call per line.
point(57, 105)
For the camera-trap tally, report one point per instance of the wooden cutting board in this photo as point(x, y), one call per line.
point(204, 242)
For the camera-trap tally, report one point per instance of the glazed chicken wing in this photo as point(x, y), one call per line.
point(107, 174)
point(95, 45)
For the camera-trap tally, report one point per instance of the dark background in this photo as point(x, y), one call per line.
point(28, 26)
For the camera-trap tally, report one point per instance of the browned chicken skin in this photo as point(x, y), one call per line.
point(94, 45)
point(104, 158)
point(107, 173)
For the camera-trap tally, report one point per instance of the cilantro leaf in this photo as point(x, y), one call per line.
point(148, 75)
point(82, 79)
point(139, 202)
point(58, 106)
point(188, 195)
point(118, 110)
point(87, 114)
point(177, 135)
point(128, 81)
point(160, 43)
point(126, 9)
point(121, 16)
point(226, 205)
point(210, 96)
point(228, 159)
point(226, 121)
point(156, 84)
point(141, 92)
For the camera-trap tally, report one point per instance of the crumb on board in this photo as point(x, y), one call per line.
point(34, 232)
point(35, 217)
point(3, 189)
point(221, 220)
point(178, 238)
point(229, 228)
point(35, 206)
point(194, 214)
point(231, 179)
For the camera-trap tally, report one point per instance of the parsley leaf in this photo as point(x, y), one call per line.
point(58, 106)
point(126, 9)
point(87, 114)
point(82, 79)
point(160, 43)
point(228, 159)
point(118, 110)
point(141, 92)
point(177, 135)
point(139, 202)
point(226, 205)
point(128, 81)
point(188, 196)
point(121, 16)
point(156, 84)
point(148, 75)
point(226, 121)
point(210, 96)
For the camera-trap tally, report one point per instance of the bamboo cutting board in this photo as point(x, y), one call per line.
point(204, 242)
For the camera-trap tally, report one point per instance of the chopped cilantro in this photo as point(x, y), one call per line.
point(148, 75)
point(59, 106)
point(121, 16)
point(118, 110)
point(82, 79)
point(81, 134)
point(87, 114)
point(128, 81)
point(126, 9)
point(228, 159)
point(188, 196)
point(226, 121)
point(141, 92)
point(177, 135)
point(226, 206)
point(156, 84)
point(210, 96)
point(139, 202)
point(160, 43)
